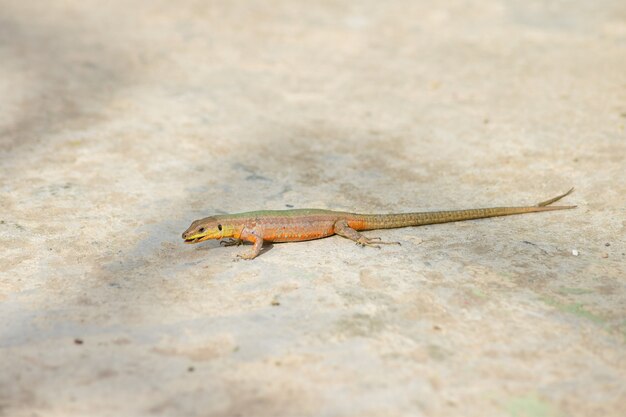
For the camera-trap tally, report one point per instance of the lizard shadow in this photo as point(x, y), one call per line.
point(211, 245)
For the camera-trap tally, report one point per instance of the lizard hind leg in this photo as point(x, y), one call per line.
point(342, 229)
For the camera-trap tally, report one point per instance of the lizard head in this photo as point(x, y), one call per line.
point(207, 228)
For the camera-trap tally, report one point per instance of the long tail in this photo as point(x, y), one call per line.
point(390, 221)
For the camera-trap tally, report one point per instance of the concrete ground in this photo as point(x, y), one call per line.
point(121, 122)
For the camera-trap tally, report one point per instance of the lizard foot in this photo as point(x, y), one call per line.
point(231, 242)
point(374, 242)
point(246, 255)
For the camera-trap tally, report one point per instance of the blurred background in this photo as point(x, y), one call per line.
point(121, 122)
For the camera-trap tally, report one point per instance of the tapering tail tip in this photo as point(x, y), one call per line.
point(557, 198)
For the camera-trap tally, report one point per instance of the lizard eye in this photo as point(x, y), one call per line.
point(219, 227)
point(200, 230)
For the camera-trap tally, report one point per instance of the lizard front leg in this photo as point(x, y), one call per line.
point(342, 229)
point(256, 238)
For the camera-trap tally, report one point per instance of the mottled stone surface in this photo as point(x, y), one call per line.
point(123, 121)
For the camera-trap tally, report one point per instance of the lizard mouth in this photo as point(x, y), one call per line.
point(196, 239)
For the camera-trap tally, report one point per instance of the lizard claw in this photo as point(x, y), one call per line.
point(374, 242)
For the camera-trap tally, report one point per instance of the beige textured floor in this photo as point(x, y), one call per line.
point(121, 122)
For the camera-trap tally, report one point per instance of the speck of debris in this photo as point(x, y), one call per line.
point(575, 252)
point(607, 244)
point(605, 255)
point(275, 303)
point(191, 369)
point(435, 327)
point(78, 341)
point(289, 205)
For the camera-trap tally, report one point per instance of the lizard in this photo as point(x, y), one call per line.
point(295, 225)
